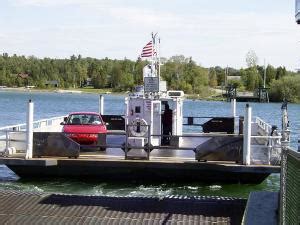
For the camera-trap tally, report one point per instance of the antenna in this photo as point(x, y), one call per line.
point(226, 74)
point(265, 70)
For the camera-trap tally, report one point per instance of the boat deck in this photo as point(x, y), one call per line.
point(44, 208)
point(112, 165)
point(165, 156)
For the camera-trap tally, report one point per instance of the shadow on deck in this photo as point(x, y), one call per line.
point(34, 208)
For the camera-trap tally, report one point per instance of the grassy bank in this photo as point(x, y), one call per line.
point(206, 98)
point(83, 90)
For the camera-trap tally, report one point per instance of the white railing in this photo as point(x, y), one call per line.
point(264, 131)
point(263, 127)
point(265, 143)
point(13, 137)
point(48, 125)
point(37, 125)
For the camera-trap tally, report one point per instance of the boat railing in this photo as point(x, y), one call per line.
point(195, 120)
point(264, 141)
point(263, 127)
point(50, 125)
point(272, 150)
point(149, 146)
point(13, 137)
point(37, 125)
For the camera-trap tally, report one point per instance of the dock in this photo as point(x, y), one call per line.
point(258, 95)
point(45, 208)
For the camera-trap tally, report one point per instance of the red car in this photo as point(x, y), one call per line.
point(84, 128)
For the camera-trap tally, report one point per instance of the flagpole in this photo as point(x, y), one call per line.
point(158, 58)
point(152, 55)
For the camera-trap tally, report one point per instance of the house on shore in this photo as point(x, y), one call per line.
point(52, 83)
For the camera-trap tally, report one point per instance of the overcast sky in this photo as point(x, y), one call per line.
point(211, 32)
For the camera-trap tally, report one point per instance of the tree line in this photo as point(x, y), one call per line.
point(180, 72)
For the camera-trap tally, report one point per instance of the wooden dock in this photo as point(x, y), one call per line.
point(45, 208)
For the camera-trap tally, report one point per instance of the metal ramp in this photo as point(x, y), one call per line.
point(40, 208)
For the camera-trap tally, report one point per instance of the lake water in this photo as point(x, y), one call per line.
point(13, 111)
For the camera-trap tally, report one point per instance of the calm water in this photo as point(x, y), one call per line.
point(13, 111)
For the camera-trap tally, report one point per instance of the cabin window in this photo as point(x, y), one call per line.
point(137, 109)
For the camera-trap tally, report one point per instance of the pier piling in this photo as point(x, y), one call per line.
point(247, 136)
point(233, 107)
point(29, 130)
point(101, 104)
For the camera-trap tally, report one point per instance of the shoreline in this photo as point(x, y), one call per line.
point(97, 91)
point(62, 91)
point(107, 91)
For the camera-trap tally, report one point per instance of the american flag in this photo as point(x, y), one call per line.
point(148, 50)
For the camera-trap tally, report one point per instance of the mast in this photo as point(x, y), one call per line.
point(155, 54)
point(155, 58)
point(152, 50)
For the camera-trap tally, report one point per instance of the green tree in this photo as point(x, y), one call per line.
point(280, 72)
point(213, 82)
point(199, 79)
point(99, 79)
point(127, 82)
point(251, 78)
point(270, 74)
point(116, 76)
point(220, 72)
point(287, 87)
point(138, 71)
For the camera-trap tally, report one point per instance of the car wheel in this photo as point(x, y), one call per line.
point(102, 149)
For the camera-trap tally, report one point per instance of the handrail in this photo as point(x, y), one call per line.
point(263, 125)
point(21, 128)
point(270, 137)
point(24, 124)
point(212, 134)
point(207, 117)
point(12, 126)
point(149, 147)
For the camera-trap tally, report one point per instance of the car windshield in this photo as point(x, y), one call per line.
point(84, 119)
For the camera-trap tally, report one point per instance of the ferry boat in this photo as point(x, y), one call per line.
point(148, 142)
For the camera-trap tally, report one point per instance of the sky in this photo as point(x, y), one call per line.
point(213, 33)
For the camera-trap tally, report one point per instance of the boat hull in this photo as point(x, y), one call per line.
point(140, 170)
